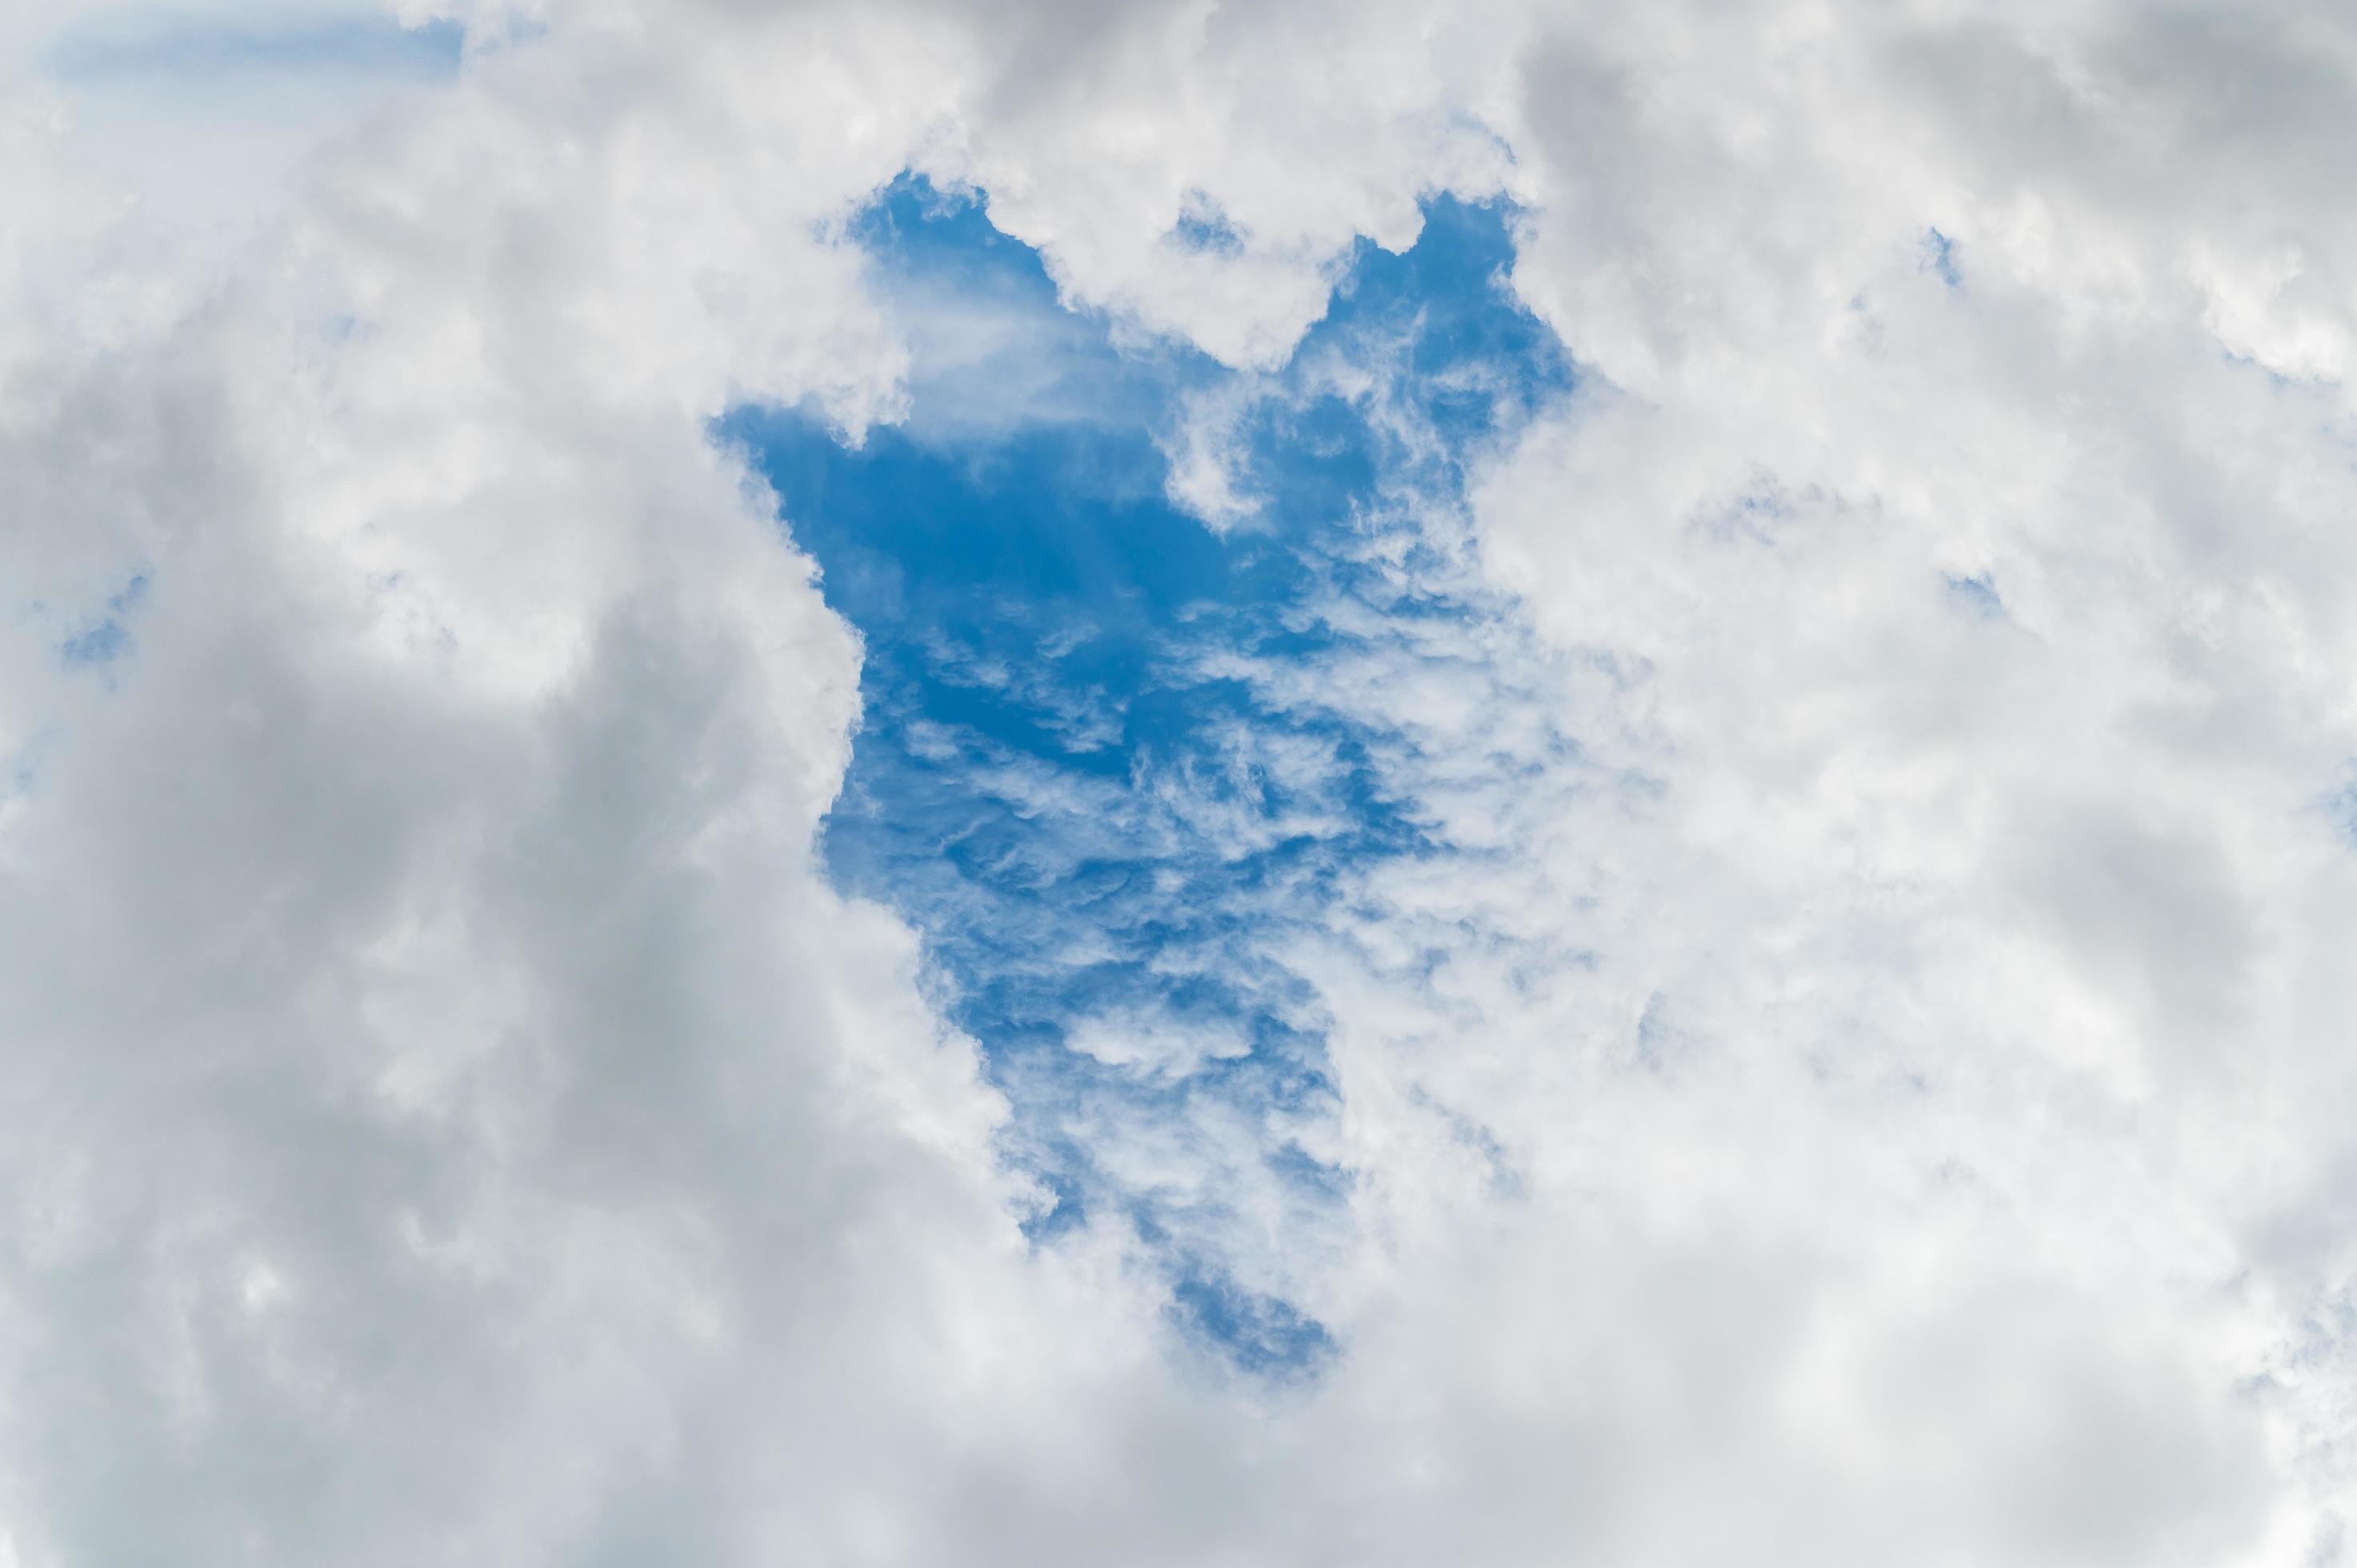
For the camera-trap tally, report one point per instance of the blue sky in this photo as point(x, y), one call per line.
point(1084, 769)
point(333, 41)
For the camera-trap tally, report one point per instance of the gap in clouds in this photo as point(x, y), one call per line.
point(1096, 767)
point(160, 49)
point(211, 122)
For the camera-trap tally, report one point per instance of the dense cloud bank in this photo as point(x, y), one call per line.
point(1866, 1082)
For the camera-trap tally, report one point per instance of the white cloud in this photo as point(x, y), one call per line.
point(1162, 1046)
point(1882, 1105)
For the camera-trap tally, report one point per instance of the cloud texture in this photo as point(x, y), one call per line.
point(1861, 1078)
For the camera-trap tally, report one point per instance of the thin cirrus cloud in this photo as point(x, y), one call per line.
point(919, 784)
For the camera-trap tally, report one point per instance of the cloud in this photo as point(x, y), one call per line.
point(435, 1061)
point(1851, 1075)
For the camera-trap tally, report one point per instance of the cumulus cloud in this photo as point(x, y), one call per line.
point(1853, 1077)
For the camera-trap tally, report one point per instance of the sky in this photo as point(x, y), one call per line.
point(1532, 782)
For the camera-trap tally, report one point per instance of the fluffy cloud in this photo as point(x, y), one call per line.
point(1861, 1087)
point(450, 1115)
point(1947, 530)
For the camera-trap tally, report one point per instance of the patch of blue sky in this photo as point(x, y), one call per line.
point(107, 637)
point(2339, 803)
point(1107, 765)
point(21, 772)
point(1940, 256)
point(1205, 225)
point(1977, 592)
point(334, 41)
